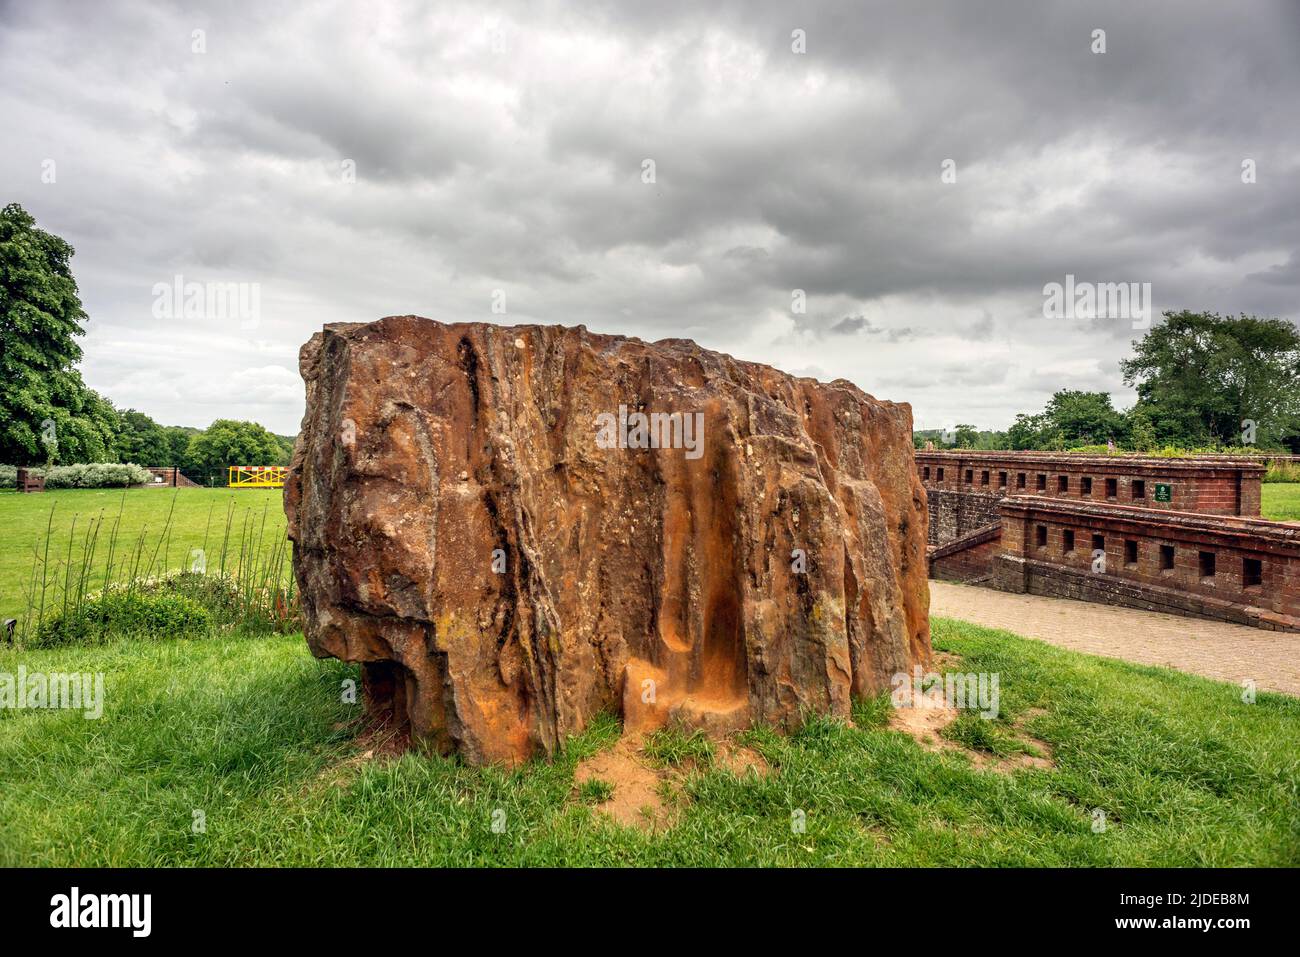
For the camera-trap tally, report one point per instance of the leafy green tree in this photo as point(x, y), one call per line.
point(961, 436)
point(46, 412)
point(286, 448)
point(1085, 418)
point(1201, 378)
point(1038, 432)
point(1030, 432)
point(1071, 418)
point(142, 440)
point(227, 442)
point(965, 436)
point(178, 445)
point(85, 425)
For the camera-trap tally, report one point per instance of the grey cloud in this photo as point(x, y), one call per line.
point(520, 170)
point(851, 324)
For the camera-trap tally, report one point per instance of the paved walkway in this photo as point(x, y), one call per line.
point(1211, 648)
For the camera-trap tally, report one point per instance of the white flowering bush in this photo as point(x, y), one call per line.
point(96, 475)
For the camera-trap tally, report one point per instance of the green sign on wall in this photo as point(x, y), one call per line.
point(1164, 492)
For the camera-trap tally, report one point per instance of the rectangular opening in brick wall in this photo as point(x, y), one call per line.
point(1040, 536)
point(1130, 552)
point(1063, 483)
point(1067, 541)
point(1020, 480)
point(1112, 488)
point(1002, 480)
point(984, 477)
point(1139, 488)
point(1252, 573)
point(925, 473)
point(1042, 482)
point(1166, 558)
point(1085, 485)
point(1099, 544)
point(941, 473)
point(1205, 563)
point(970, 476)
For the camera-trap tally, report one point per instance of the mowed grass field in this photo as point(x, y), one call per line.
point(198, 516)
point(1280, 501)
point(252, 738)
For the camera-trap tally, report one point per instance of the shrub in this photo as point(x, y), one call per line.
point(96, 475)
point(1283, 472)
point(176, 605)
point(1178, 452)
point(124, 613)
point(219, 594)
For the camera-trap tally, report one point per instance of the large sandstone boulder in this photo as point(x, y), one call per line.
point(475, 520)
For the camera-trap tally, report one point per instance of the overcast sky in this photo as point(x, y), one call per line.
point(504, 149)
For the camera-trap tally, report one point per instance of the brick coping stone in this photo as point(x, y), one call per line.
point(1282, 534)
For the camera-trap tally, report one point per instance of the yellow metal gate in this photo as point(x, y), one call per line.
point(257, 476)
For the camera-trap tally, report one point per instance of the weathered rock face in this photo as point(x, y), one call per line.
point(475, 521)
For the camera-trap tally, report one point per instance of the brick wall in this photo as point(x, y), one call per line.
point(169, 476)
point(1225, 567)
point(1219, 486)
point(969, 558)
point(955, 513)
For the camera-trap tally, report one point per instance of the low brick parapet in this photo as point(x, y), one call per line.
point(1226, 567)
point(168, 476)
point(1210, 484)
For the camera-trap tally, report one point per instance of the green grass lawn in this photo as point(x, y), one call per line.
point(1281, 501)
point(250, 732)
point(198, 513)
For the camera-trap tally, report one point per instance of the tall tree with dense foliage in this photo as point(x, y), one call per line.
point(964, 436)
point(1203, 379)
point(85, 426)
point(142, 440)
point(1071, 418)
point(1033, 432)
point(46, 411)
point(286, 448)
point(227, 442)
point(1085, 418)
point(178, 445)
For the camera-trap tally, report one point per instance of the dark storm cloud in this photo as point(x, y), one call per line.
point(502, 149)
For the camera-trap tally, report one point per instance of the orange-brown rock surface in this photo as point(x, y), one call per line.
point(474, 521)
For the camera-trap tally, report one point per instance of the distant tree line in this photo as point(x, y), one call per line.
point(962, 436)
point(48, 415)
point(1203, 381)
point(223, 443)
